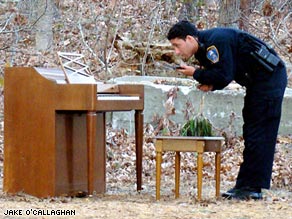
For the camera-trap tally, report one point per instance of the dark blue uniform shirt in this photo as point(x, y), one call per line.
point(232, 59)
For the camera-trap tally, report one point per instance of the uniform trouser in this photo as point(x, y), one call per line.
point(261, 116)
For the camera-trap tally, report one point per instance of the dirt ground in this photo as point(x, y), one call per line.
point(124, 202)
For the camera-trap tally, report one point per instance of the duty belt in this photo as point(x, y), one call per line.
point(263, 54)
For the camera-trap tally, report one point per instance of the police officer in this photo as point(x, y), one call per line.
point(225, 55)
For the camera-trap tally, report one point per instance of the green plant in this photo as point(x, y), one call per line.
point(198, 126)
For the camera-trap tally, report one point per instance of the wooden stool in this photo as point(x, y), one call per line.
point(188, 144)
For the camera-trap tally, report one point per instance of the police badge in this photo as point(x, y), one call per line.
point(213, 54)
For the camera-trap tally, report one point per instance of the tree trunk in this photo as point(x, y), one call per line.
point(229, 13)
point(188, 11)
point(44, 25)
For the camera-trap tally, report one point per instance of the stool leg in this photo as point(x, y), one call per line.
point(217, 173)
point(177, 173)
point(158, 172)
point(200, 174)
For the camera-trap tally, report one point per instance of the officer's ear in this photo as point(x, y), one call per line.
point(189, 37)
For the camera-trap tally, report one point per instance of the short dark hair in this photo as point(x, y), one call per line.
point(181, 29)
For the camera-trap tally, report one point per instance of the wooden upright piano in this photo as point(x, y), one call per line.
point(55, 133)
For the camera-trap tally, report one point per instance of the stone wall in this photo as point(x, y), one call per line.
point(218, 105)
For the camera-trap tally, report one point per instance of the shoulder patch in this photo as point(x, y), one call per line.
point(213, 54)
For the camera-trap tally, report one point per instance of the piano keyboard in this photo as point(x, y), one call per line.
point(116, 97)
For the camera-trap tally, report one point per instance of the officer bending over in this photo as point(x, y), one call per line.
point(226, 55)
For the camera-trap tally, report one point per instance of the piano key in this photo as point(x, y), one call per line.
point(116, 97)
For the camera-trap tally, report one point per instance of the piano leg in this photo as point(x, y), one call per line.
point(100, 165)
point(91, 136)
point(139, 146)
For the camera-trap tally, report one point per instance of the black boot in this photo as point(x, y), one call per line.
point(244, 193)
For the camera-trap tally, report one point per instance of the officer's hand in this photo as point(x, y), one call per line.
point(186, 70)
point(205, 87)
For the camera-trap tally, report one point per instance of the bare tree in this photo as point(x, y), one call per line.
point(229, 13)
point(44, 24)
point(189, 10)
